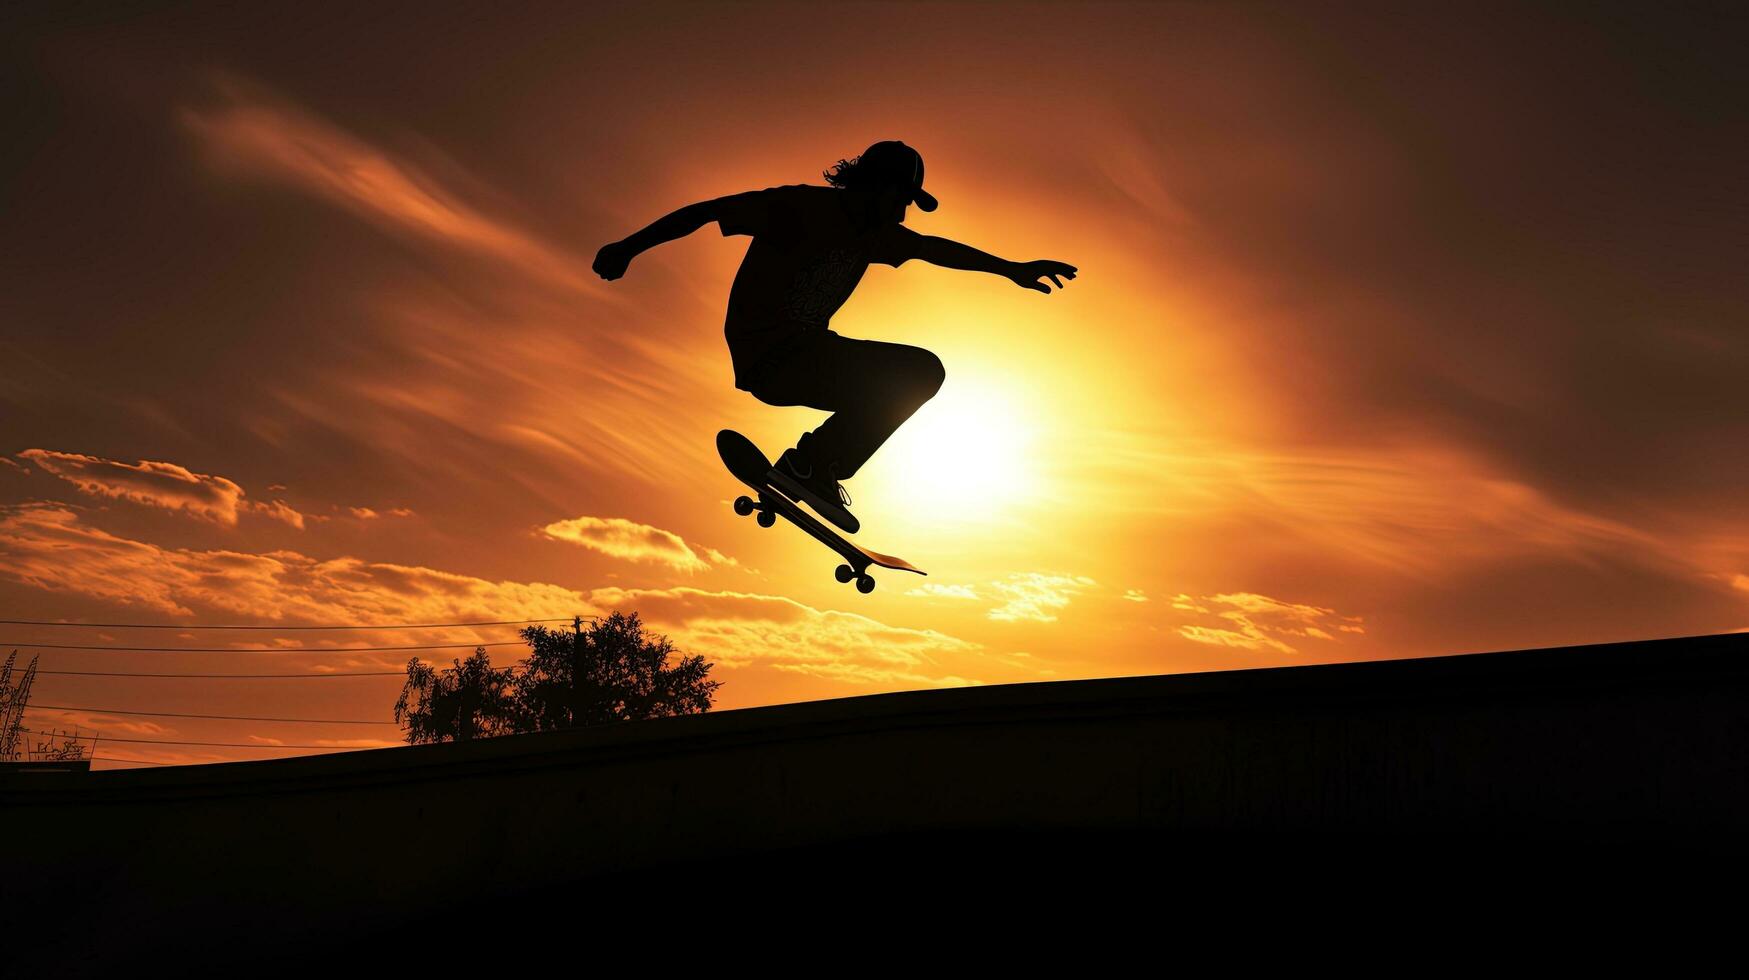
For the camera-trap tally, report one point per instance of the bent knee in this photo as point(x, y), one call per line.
point(929, 373)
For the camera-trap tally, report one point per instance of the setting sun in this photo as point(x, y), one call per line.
point(963, 456)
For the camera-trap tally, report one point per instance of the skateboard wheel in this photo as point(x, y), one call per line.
point(865, 584)
point(845, 573)
point(743, 506)
point(767, 518)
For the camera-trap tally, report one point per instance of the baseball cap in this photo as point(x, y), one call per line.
point(893, 161)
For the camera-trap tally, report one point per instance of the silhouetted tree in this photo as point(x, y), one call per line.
point(472, 700)
point(613, 671)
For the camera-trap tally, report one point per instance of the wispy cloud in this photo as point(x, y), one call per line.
point(279, 510)
point(1258, 622)
point(337, 743)
point(1413, 510)
point(369, 514)
point(1036, 597)
point(253, 130)
point(64, 721)
point(460, 355)
point(159, 484)
point(936, 591)
point(617, 537)
point(741, 629)
point(50, 547)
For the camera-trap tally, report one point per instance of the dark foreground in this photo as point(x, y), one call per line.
point(1401, 798)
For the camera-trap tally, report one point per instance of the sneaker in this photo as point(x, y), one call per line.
point(825, 495)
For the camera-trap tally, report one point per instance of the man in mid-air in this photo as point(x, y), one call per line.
point(811, 245)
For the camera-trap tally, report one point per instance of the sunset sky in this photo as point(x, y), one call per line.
point(1395, 334)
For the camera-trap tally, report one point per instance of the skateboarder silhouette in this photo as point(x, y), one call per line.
point(811, 245)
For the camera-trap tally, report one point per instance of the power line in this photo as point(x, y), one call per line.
point(169, 714)
point(76, 646)
point(395, 626)
point(143, 762)
point(230, 745)
point(294, 650)
point(100, 673)
point(362, 673)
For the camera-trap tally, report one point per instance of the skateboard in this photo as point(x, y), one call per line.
point(750, 466)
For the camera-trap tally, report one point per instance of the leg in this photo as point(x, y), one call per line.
point(871, 388)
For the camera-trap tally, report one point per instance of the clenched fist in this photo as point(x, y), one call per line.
point(611, 261)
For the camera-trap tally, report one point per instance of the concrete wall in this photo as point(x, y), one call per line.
point(1633, 744)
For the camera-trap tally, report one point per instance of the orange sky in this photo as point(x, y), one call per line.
point(1395, 334)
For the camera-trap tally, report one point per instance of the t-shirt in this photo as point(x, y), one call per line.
point(806, 257)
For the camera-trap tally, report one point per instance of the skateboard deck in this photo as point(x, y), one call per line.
point(750, 466)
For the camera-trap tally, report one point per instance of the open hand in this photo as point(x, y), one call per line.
point(1027, 274)
point(611, 261)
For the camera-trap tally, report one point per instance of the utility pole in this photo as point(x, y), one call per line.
point(576, 670)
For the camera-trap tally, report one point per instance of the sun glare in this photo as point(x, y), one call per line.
point(962, 456)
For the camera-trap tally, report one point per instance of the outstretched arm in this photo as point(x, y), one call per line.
point(950, 254)
point(614, 257)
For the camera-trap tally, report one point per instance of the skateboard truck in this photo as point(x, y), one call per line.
point(750, 466)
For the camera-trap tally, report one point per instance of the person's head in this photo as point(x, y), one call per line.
point(888, 177)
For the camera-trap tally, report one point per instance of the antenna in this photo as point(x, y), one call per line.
point(13, 698)
point(57, 752)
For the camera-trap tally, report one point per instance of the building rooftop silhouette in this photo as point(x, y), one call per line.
point(1560, 757)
